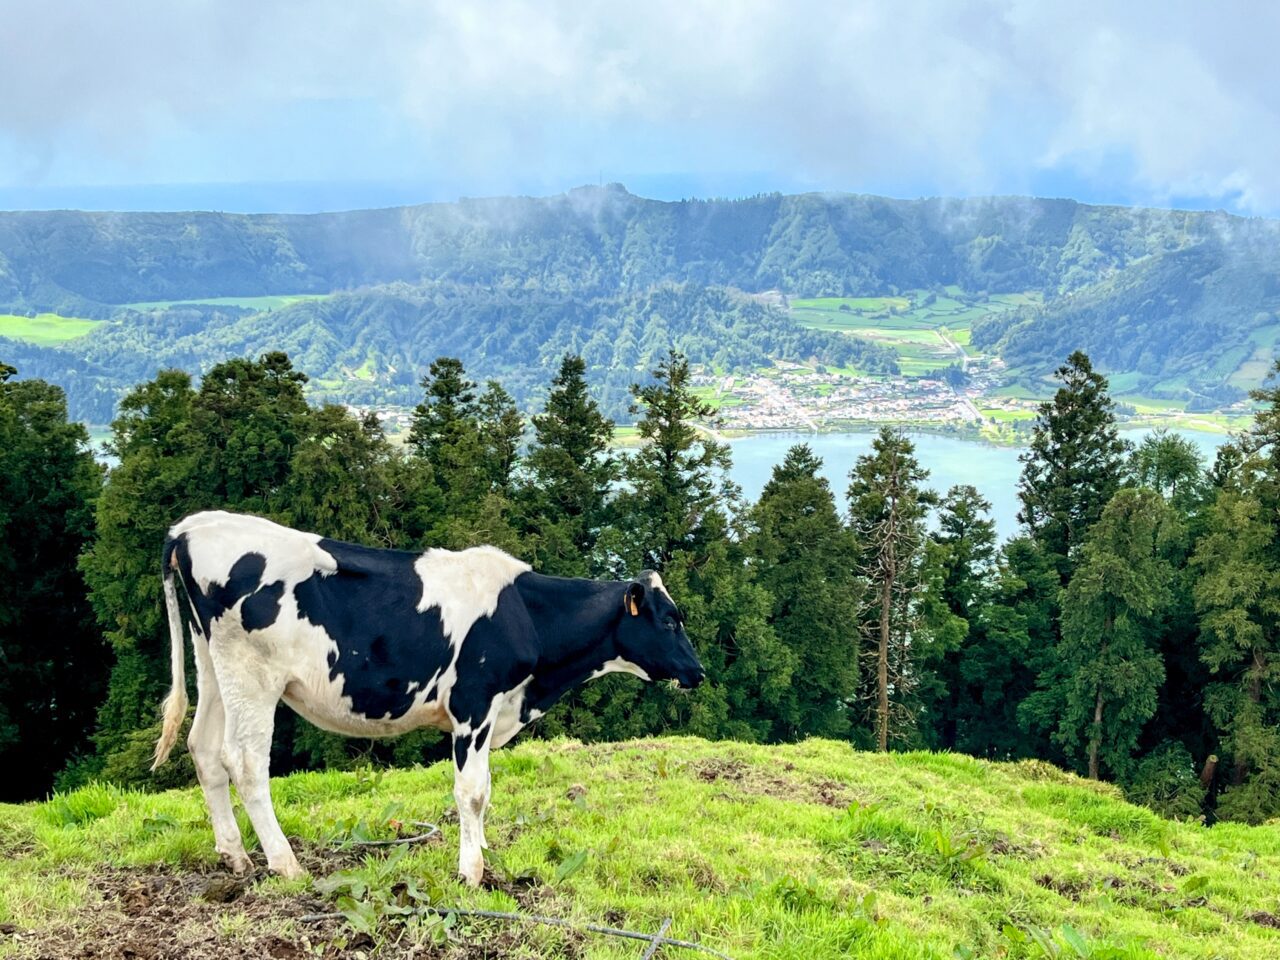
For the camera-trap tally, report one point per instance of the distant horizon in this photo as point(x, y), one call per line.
point(307, 197)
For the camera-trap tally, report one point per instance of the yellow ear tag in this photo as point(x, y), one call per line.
point(632, 607)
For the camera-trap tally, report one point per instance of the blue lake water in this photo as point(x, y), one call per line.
point(993, 470)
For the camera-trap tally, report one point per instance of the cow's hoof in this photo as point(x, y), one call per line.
point(472, 873)
point(289, 869)
point(238, 863)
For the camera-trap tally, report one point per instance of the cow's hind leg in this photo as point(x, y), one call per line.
point(205, 744)
point(471, 792)
point(250, 707)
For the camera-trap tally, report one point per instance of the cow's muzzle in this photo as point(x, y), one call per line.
point(691, 680)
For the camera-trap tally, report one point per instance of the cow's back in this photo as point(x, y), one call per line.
point(215, 542)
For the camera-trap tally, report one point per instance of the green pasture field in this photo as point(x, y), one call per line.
point(273, 302)
point(45, 328)
point(1002, 415)
point(810, 851)
point(1255, 365)
point(905, 322)
point(853, 303)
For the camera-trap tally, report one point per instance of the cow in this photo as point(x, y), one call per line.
point(371, 642)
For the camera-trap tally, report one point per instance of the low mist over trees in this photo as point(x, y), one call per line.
point(1131, 631)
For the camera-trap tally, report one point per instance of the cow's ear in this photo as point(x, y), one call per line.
point(633, 598)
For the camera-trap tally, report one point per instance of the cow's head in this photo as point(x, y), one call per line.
point(651, 633)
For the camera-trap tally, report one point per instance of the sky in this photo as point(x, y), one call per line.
point(255, 105)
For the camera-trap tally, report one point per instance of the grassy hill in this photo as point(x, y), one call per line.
point(807, 851)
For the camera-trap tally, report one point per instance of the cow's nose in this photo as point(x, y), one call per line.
point(695, 679)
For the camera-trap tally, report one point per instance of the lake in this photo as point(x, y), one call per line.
point(993, 470)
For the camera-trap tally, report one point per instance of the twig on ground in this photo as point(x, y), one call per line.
point(652, 938)
point(420, 838)
point(658, 940)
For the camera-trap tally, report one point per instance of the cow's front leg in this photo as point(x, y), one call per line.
point(471, 792)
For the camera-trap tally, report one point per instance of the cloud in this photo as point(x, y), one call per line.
point(1177, 99)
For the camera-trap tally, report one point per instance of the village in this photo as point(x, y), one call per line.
point(793, 396)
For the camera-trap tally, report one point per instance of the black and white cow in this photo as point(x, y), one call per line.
point(374, 643)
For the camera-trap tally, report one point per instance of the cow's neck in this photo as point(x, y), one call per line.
point(576, 622)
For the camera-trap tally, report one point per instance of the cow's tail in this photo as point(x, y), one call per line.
point(175, 704)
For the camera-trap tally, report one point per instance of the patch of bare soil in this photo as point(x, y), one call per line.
point(160, 913)
point(1263, 918)
point(754, 780)
point(163, 913)
point(1069, 887)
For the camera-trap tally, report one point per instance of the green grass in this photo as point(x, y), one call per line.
point(808, 851)
point(1256, 361)
point(45, 328)
point(908, 324)
point(1001, 415)
point(853, 303)
point(248, 303)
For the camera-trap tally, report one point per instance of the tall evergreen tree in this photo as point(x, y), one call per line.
point(806, 558)
point(962, 588)
point(1172, 466)
point(570, 474)
point(887, 507)
point(501, 428)
point(1014, 647)
point(445, 432)
point(677, 477)
point(1238, 596)
point(250, 416)
point(469, 445)
point(1112, 618)
point(1075, 462)
point(53, 661)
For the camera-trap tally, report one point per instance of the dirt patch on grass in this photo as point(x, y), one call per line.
point(751, 779)
point(159, 914)
point(162, 913)
point(1070, 887)
point(1265, 919)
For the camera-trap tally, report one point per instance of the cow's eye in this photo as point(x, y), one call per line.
point(670, 623)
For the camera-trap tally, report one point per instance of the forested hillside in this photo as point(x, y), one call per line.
point(1182, 305)
point(372, 346)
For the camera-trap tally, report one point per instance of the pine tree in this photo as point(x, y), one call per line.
point(342, 481)
point(445, 431)
point(501, 429)
point(250, 416)
point(887, 507)
point(1238, 596)
point(961, 589)
point(1075, 462)
point(53, 661)
point(677, 476)
point(806, 558)
point(1112, 620)
point(570, 475)
point(469, 446)
point(1002, 662)
point(246, 440)
point(1172, 466)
